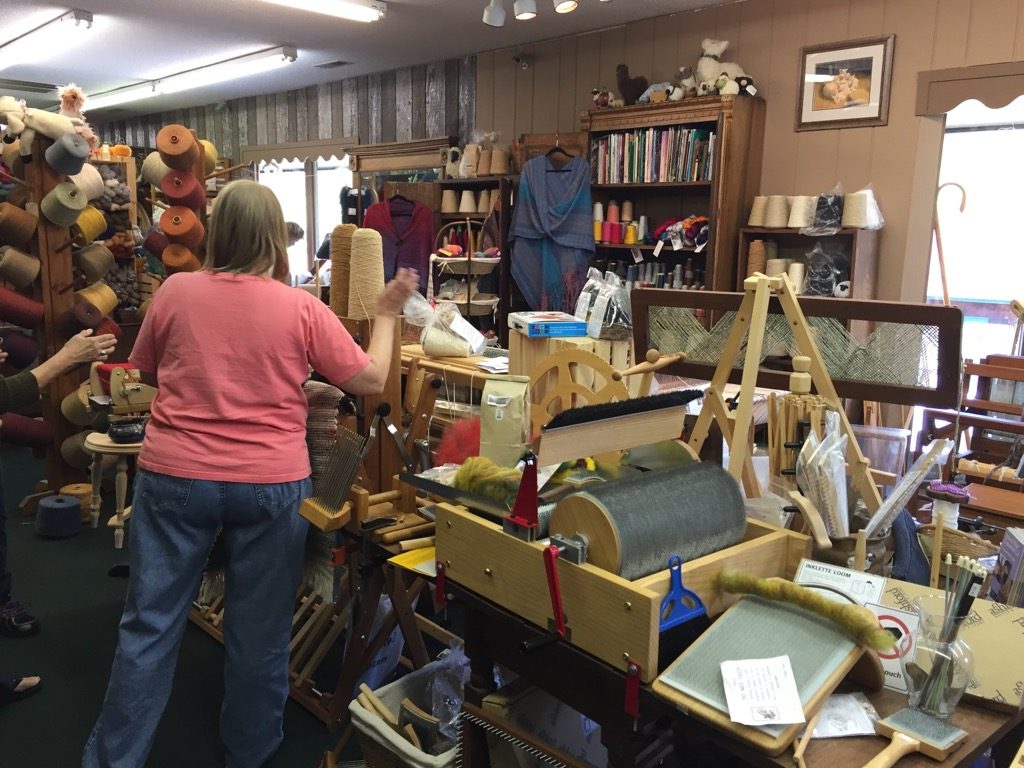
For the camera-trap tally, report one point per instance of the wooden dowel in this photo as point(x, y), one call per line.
point(379, 706)
point(426, 541)
point(157, 203)
point(408, 533)
point(226, 171)
point(15, 179)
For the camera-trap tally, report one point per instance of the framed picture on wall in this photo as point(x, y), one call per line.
point(845, 85)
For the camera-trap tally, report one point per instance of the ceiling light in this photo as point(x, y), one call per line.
point(353, 10)
point(565, 6)
point(131, 93)
point(243, 66)
point(57, 35)
point(525, 9)
point(494, 14)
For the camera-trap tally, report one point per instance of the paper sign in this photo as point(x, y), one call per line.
point(677, 244)
point(861, 587)
point(902, 625)
point(494, 365)
point(638, 255)
point(762, 692)
point(658, 246)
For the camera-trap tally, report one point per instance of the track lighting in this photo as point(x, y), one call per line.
point(355, 10)
point(564, 6)
point(494, 14)
point(54, 36)
point(525, 9)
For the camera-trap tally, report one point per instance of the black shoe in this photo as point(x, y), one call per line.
point(9, 689)
point(15, 621)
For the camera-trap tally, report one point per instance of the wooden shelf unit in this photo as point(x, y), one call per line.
point(738, 124)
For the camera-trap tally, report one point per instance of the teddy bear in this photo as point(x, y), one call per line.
point(25, 122)
point(602, 97)
point(746, 84)
point(686, 86)
point(630, 88)
point(72, 100)
point(726, 86)
point(710, 66)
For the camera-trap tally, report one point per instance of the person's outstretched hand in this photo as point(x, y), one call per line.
point(392, 298)
point(84, 347)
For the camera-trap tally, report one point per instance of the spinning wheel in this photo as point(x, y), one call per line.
point(568, 379)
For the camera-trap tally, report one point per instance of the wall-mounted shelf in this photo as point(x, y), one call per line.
point(655, 185)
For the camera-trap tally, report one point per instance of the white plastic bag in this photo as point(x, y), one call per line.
point(446, 333)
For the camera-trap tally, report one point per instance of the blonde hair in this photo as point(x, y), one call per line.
point(246, 232)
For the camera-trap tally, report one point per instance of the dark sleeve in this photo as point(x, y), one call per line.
point(17, 391)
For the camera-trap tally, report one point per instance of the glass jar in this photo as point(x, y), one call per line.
point(937, 671)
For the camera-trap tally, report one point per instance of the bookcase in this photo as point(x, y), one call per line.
point(698, 156)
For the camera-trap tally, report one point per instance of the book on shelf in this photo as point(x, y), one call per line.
point(653, 155)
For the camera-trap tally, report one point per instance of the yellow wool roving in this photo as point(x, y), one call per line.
point(483, 477)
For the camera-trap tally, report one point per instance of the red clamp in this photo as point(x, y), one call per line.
point(524, 511)
point(632, 703)
point(551, 555)
point(338, 556)
point(440, 591)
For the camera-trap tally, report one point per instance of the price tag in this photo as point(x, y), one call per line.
point(700, 247)
point(638, 255)
point(657, 248)
point(677, 244)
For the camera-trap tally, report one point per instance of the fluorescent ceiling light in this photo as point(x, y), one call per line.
point(494, 14)
point(525, 9)
point(56, 35)
point(354, 10)
point(565, 6)
point(121, 96)
point(243, 66)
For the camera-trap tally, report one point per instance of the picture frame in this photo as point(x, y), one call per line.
point(845, 85)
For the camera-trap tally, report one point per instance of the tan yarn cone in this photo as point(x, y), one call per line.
point(483, 164)
point(100, 295)
point(73, 451)
point(17, 267)
point(367, 276)
point(341, 267)
point(74, 410)
point(154, 169)
point(94, 260)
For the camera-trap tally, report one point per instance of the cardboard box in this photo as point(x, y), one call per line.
point(535, 324)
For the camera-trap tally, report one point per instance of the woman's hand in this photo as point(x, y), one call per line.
point(392, 298)
point(84, 347)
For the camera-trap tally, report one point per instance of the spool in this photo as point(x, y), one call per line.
point(83, 493)
point(758, 209)
point(177, 147)
point(16, 429)
point(449, 201)
point(18, 268)
point(16, 225)
point(100, 295)
point(641, 229)
point(860, 210)
point(467, 203)
point(154, 169)
point(776, 215)
point(341, 267)
point(598, 211)
point(630, 237)
point(626, 213)
point(89, 181)
point(74, 410)
point(606, 231)
point(21, 350)
point(796, 276)
point(801, 212)
point(108, 326)
point(771, 249)
point(484, 203)
point(95, 261)
point(183, 188)
point(84, 315)
point(178, 258)
point(155, 242)
point(67, 154)
point(181, 225)
point(58, 517)
point(74, 452)
point(499, 160)
point(598, 230)
point(210, 156)
point(483, 164)
point(615, 232)
point(756, 257)
point(63, 204)
point(366, 280)
point(20, 310)
point(612, 213)
point(634, 525)
point(775, 267)
point(89, 226)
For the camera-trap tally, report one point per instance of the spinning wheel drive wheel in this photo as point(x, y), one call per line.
point(569, 379)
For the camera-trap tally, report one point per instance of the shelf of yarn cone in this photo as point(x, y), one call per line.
point(477, 182)
point(665, 250)
point(462, 265)
point(653, 185)
point(795, 231)
point(463, 216)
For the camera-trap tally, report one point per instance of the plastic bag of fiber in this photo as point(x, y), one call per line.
point(446, 333)
point(604, 305)
point(447, 686)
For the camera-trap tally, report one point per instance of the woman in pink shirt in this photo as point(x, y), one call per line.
point(225, 450)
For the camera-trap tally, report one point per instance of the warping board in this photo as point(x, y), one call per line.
point(820, 653)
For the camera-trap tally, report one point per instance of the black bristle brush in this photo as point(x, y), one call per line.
point(588, 413)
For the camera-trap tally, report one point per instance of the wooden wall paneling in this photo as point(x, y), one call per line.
point(373, 100)
point(866, 19)
point(250, 113)
point(467, 97)
point(241, 124)
point(638, 52)
point(363, 109)
point(485, 95)
point(218, 130)
point(334, 108)
point(782, 156)
point(193, 120)
point(388, 108)
point(403, 104)
point(691, 29)
point(588, 73)
point(524, 92)
point(451, 98)
point(613, 53)
point(297, 115)
point(210, 122)
point(728, 28)
point(224, 143)
point(545, 86)
point(949, 41)
point(419, 102)
point(990, 31)
point(1018, 37)
point(504, 94)
point(263, 119)
point(665, 61)
point(435, 98)
point(568, 97)
point(350, 108)
point(180, 117)
point(313, 113)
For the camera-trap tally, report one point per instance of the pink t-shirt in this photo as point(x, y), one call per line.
point(231, 353)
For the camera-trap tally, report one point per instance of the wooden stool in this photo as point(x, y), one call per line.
point(99, 444)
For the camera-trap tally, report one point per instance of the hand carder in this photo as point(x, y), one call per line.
point(913, 731)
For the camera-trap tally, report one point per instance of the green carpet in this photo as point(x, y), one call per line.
point(66, 584)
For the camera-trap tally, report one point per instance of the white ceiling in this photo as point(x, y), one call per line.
point(133, 40)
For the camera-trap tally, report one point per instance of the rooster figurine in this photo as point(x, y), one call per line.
point(630, 88)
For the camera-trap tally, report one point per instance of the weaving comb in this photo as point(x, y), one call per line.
point(328, 508)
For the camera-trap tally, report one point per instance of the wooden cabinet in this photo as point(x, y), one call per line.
point(720, 189)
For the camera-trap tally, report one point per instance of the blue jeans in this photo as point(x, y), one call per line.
point(173, 525)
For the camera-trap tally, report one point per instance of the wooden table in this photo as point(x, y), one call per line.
point(996, 506)
point(99, 444)
point(596, 690)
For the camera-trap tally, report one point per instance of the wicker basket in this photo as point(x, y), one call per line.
point(955, 543)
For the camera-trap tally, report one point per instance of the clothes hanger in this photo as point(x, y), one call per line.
point(557, 150)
